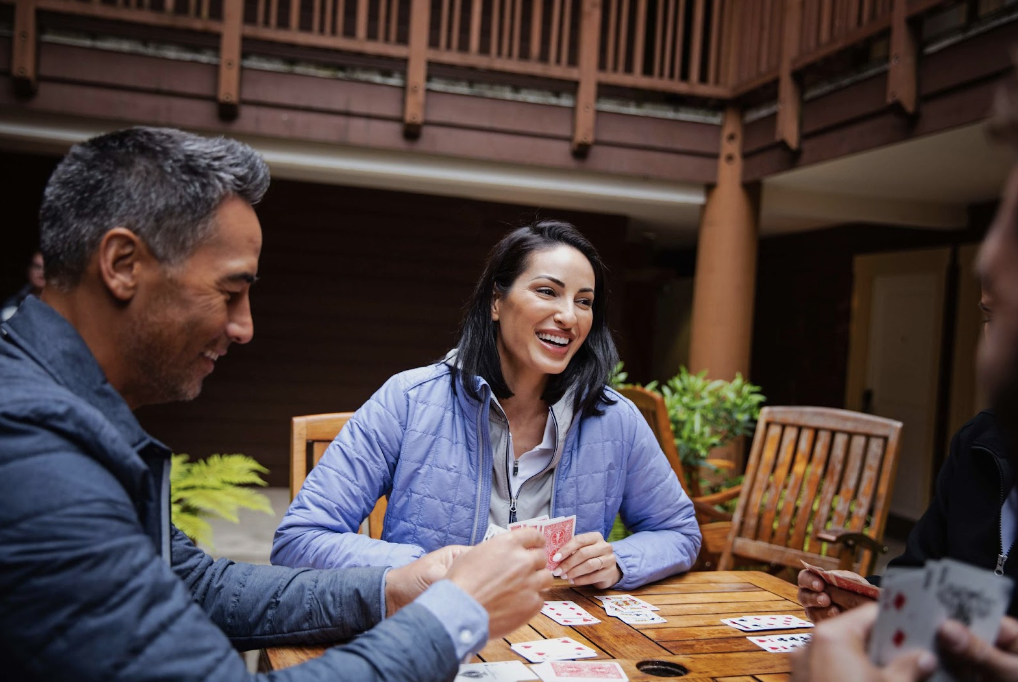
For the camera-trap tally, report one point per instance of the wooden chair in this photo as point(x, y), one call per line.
point(817, 488)
point(310, 435)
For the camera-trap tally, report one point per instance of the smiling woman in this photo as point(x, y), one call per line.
point(514, 423)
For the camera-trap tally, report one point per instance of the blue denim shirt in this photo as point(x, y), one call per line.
point(96, 583)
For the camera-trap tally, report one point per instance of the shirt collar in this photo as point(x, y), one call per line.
point(56, 346)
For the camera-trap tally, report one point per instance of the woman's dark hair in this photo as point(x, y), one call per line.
point(478, 351)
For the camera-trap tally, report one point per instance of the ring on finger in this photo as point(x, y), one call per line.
point(600, 563)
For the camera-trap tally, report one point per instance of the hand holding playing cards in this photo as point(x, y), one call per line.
point(993, 663)
point(588, 559)
point(404, 584)
point(823, 601)
point(505, 575)
point(837, 653)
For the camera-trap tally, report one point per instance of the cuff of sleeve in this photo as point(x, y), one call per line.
point(465, 621)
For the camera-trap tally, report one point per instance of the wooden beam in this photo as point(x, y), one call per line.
point(789, 116)
point(586, 91)
point(24, 57)
point(229, 59)
point(416, 68)
point(902, 89)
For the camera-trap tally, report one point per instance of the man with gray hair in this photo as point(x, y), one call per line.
point(151, 247)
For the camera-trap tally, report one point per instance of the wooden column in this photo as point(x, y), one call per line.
point(416, 68)
point(902, 89)
point(586, 91)
point(229, 59)
point(725, 281)
point(789, 94)
point(24, 57)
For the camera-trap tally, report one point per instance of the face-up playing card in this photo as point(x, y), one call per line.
point(641, 618)
point(568, 613)
point(769, 622)
point(780, 644)
point(580, 671)
point(908, 617)
point(492, 531)
point(626, 601)
point(496, 671)
point(561, 649)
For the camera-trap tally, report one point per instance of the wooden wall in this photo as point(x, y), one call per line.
point(355, 285)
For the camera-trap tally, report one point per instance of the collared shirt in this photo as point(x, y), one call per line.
point(534, 461)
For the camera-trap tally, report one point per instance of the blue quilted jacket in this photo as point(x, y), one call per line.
point(426, 447)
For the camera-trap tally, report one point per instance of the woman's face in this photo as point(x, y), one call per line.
point(546, 315)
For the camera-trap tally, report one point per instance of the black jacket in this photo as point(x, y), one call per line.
point(963, 520)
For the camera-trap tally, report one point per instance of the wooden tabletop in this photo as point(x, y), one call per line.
point(694, 636)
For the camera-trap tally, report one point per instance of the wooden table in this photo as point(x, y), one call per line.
point(693, 637)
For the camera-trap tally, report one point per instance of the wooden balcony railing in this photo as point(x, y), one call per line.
point(714, 50)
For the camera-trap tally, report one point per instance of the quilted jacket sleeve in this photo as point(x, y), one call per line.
point(85, 596)
point(320, 529)
point(666, 536)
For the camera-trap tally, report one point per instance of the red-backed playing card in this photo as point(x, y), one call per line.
point(865, 589)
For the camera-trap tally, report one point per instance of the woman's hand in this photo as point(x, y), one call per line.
point(588, 559)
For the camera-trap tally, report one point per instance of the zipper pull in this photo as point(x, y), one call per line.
point(516, 468)
point(512, 510)
point(999, 570)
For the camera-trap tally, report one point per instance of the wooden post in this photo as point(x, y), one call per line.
point(229, 59)
point(586, 91)
point(24, 57)
point(725, 280)
point(416, 68)
point(789, 95)
point(902, 88)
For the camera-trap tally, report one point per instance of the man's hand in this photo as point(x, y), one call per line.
point(505, 575)
point(992, 663)
point(837, 653)
point(823, 601)
point(587, 559)
point(404, 584)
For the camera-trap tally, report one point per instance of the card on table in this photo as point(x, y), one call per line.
point(626, 601)
point(780, 644)
point(496, 671)
point(568, 613)
point(580, 671)
point(766, 622)
point(560, 649)
point(642, 618)
point(865, 589)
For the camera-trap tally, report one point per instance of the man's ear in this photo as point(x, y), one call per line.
point(120, 255)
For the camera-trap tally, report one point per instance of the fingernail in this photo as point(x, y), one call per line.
point(927, 662)
point(557, 557)
point(952, 635)
point(571, 581)
point(557, 572)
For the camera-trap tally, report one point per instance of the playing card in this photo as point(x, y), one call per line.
point(492, 531)
point(561, 649)
point(557, 532)
point(908, 618)
point(865, 589)
point(568, 613)
point(626, 601)
point(779, 644)
point(641, 618)
point(767, 622)
point(535, 522)
point(497, 671)
point(580, 671)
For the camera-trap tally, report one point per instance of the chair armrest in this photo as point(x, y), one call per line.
point(721, 496)
point(707, 513)
point(852, 539)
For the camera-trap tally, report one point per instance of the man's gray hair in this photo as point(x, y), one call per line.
point(164, 185)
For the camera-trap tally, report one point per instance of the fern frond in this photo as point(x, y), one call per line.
point(194, 527)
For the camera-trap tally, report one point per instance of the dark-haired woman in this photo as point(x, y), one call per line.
point(516, 422)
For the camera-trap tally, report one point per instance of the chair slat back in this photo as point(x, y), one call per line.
point(810, 469)
point(310, 436)
point(652, 406)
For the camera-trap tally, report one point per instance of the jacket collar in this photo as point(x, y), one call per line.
point(55, 345)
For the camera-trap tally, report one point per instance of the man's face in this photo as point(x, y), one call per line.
point(36, 274)
point(997, 265)
point(190, 313)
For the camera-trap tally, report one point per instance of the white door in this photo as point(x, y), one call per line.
point(894, 358)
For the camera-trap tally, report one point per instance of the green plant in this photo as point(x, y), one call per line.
point(213, 487)
point(618, 376)
point(708, 413)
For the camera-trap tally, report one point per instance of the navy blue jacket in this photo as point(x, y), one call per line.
point(95, 584)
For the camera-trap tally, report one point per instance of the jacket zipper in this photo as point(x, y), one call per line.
point(1001, 555)
point(516, 469)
